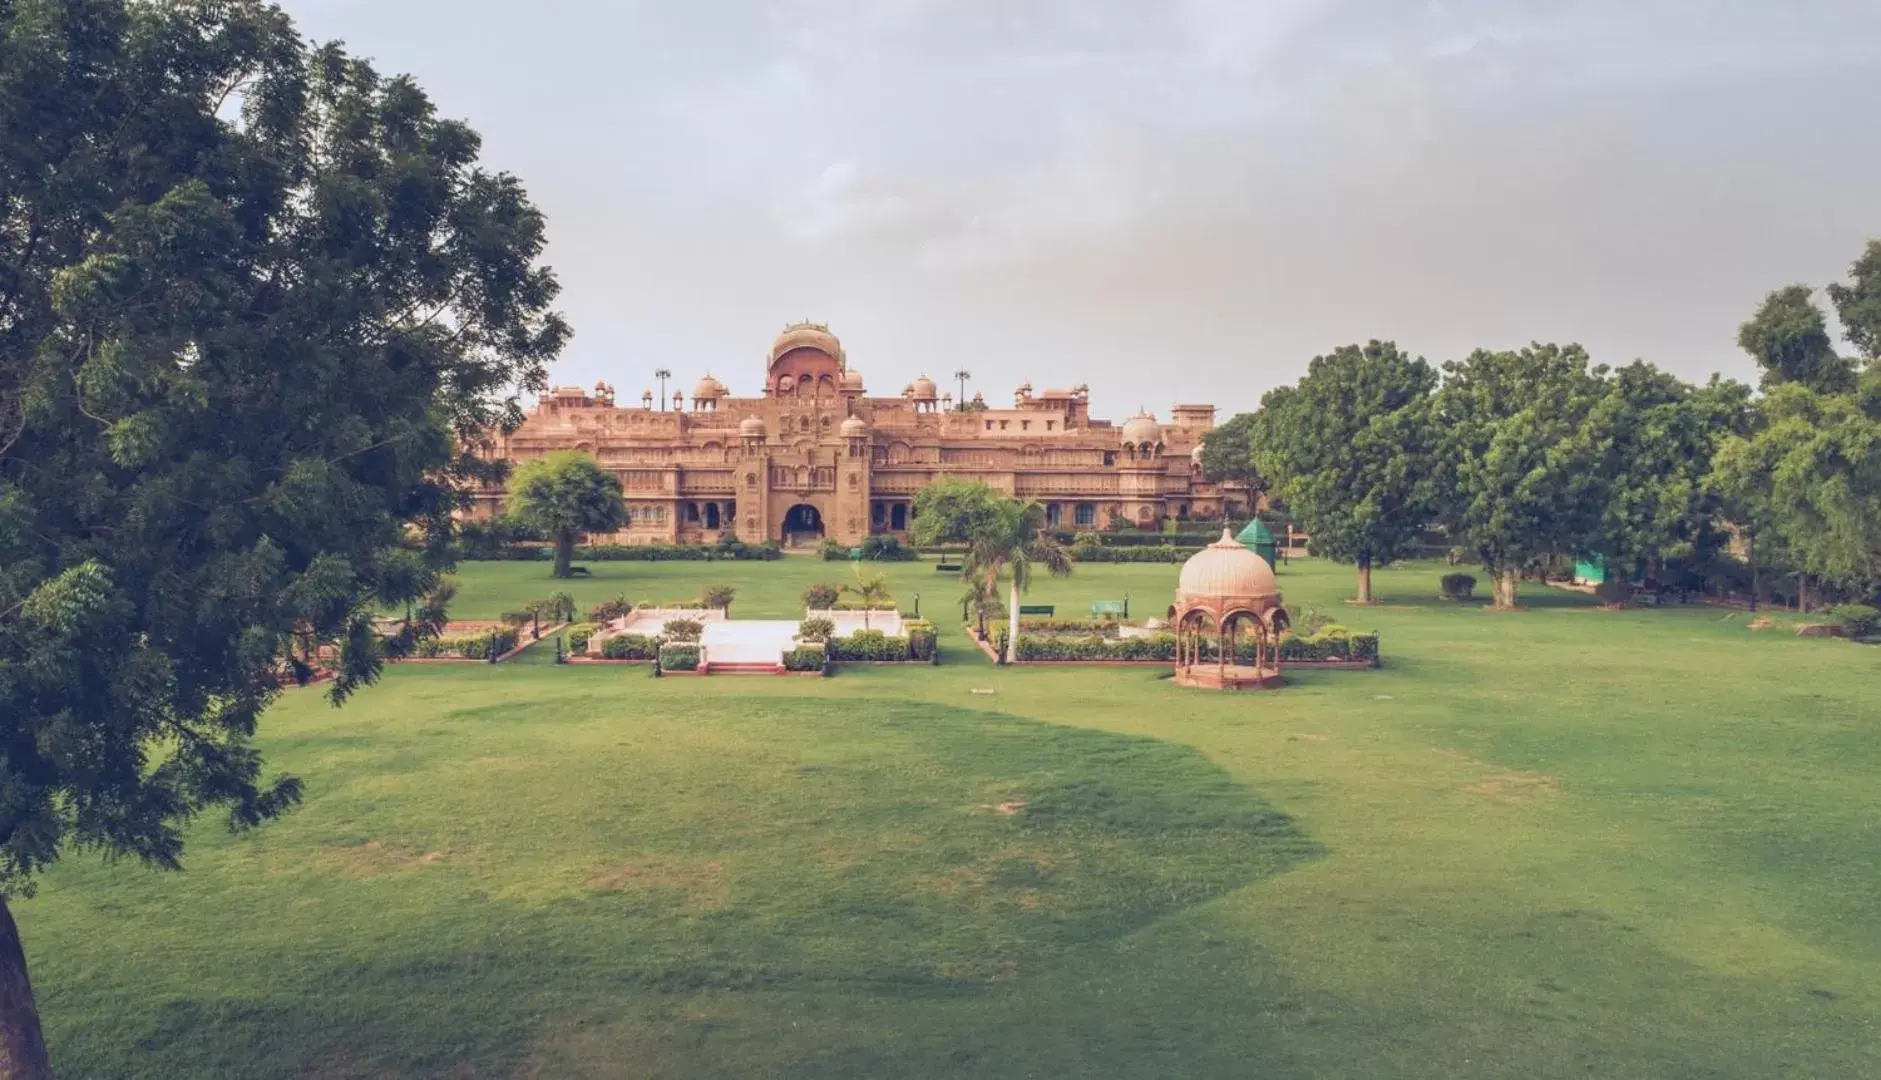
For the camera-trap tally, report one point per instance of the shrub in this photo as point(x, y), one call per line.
point(578, 635)
point(519, 618)
point(821, 596)
point(806, 658)
point(886, 549)
point(1856, 620)
point(683, 629)
point(719, 596)
point(1612, 591)
point(817, 629)
point(723, 551)
point(631, 647)
point(1106, 553)
point(608, 610)
point(922, 641)
point(833, 552)
point(560, 607)
point(679, 656)
point(1458, 586)
point(868, 645)
point(1306, 620)
point(467, 646)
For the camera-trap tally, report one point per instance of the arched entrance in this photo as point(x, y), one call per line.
point(802, 525)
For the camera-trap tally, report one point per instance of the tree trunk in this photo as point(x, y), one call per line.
point(1365, 580)
point(22, 1046)
point(1751, 535)
point(1503, 583)
point(564, 554)
point(1012, 621)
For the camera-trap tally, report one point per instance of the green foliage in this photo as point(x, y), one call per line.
point(493, 539)
point(868, 645)
point(821, 596)
point(831, 551)
point(1613, 591)
point(870, 590)
point(560, 607)
point(1857, 620)
point(719, 597)
point(1228, 453)
point(1459, 586)
point(1350, 451)
point(467, 646)
point(518, 619)
point(727, 550)
point(887, 549)
point(578, 635)
point(956, 511)
point(806, 658)
point(679, 656)
point(923, 642)
point(1858, 304)
point(818, 629)
point(243, 337)
point(1105, 553)
point(631, 647)
point(683, 629)
point(609, 610)
point(1789, 339)
point(565, 494)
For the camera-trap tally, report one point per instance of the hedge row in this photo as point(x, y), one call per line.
point(725, 551)
point(631, 647)
point(806, 658)
point(873, 549)
point(467, 646)
point(1161, 553)
point(869, 645)
point(578, 635)
point(1328, 645)
point(679, 656)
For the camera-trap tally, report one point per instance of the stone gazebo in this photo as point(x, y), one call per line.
point(1226, 590)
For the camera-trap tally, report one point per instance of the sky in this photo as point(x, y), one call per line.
point(1168, 200)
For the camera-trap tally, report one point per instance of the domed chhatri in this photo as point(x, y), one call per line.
point(751, 427)
point(852, 379)
point(807, 335)
point(708, 389)
point(924, 388)
point(854, 428)
point(1222, 590)
point(1142, 429)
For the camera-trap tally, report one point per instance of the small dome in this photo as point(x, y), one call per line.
point(854, 428)
point(807, 336)
point(708, 389)
point(751, 427)
point(1226, 569)
point(1142, 428)
point(852, 379)
point(924, 388)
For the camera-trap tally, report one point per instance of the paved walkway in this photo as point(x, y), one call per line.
point(747, 641)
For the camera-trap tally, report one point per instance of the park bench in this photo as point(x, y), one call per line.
point(1113, 608)
point(945, 567)
point(1046, 610)
point(578, 571)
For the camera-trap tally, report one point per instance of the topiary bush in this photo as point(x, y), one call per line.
point(821, 596)
point(817, 629)
point(1857, 620)
point(630, 647)
point(923, 643)
point(679, 656)
point(578, 635)
point(868, 645)
point(1459, 586)
point(683, 630)
point(806, 658)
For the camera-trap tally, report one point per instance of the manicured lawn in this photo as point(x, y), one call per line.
point(1563, 842)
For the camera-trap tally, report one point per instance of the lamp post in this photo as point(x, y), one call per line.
point(662, 374)
point(963, 375)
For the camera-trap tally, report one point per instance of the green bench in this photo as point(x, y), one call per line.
point(1117, 608)
point(1046, 610)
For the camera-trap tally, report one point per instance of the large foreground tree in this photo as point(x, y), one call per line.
point(253, 297)
point(566, 495)
point(1349, 451)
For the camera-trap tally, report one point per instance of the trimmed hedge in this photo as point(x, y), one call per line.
point(806, 658)
point(578, 635)
point(683, 629)
point(923, 644)
point(679, 656)
point(868, 645)
point(1336, 645)
point(467, 646)
point(631, 647)
point(1103, 553)
point(1458, 586)
point(723, 551)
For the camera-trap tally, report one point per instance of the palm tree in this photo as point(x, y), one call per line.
point(871, 589)
point(1013, 544)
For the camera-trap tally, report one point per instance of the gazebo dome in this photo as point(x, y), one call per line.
point(924, 388)
point(852, 379)
point(1226, 569)
point(751, 427)
point(854, 428)
point(1142, 428)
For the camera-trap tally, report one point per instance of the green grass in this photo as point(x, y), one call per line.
point(1562, 842)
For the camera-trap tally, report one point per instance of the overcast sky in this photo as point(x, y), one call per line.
point(1172, 200)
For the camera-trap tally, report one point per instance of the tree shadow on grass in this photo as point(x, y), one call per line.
point(871, 861)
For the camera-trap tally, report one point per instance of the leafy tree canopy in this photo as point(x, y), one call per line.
point(567, 495)
point(1789, 339)
point(954, 510)
point(1349, 448)
point(1228, 452)
point(253, 297)
point(1858, 304)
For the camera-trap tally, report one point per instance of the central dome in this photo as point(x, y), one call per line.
point(806, 335)
point(1226, 569)
point(924, 388)
point(1142, 428)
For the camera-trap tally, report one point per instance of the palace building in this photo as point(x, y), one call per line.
point(817, 457)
